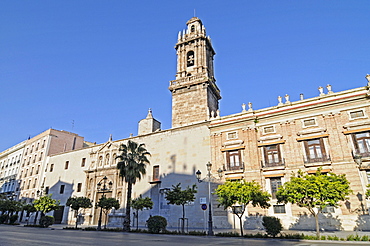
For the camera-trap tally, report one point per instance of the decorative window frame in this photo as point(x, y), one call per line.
point(357, 110)
point(270, 126)
point(230, 133)
point(313, 125)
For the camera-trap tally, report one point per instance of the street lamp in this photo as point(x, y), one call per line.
point(358, 159)
point(208, 179)
point(103, 188)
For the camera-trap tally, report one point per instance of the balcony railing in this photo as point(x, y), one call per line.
point(364, 154)
point(323, 158)
point(235, 167)
point(276, 163)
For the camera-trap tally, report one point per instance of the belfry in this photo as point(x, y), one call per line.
point(195, 94)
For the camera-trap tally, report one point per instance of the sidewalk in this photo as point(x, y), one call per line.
point(340, 234)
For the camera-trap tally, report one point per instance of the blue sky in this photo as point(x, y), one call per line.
point(102, 64)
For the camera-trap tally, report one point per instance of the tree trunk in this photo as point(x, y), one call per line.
point(76, 211)
point(317, 225)
point(241, 225)
point(127, 220)
point(183, 219)
point(137, 219)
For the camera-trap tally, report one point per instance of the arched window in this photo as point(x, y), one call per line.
point(119, 196)
point(114, 159)
point(100, 161)
point(107, 159)
point(190, 58)
point(192, 28)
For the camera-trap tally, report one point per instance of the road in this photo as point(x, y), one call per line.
point(26, 236)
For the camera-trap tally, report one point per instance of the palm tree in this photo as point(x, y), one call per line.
point(131, 165)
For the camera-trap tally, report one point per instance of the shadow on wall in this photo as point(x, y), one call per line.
point(363, 223)
point(326, 221)
point(196, 216)
point(61, 191)
point(252, 222)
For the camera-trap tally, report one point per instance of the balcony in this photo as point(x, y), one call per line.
point(234, 167)
point(322, 158)
point(275, 163)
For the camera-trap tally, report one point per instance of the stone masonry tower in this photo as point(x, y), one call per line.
point(195, 94)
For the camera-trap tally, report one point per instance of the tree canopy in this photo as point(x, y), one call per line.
point(139, 204)
point(314, 191)
point(132, 166)
point(242, 193)
point(177, 196)
point(46, 204)
point(76, 203)
point(107, 204)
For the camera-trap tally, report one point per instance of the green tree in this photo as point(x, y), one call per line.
point(139, 204)
point(45, 204)
point(242, 193)
point(132, 163)
point(367, 194)
point(177, 196)
point(76, 203)
point(8, 207)
point(29, 208)
point(107, 204)
point(314, 192)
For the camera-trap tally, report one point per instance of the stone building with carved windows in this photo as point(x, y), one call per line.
point(330, 131)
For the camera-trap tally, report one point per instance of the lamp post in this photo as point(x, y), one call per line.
point(358, 159)
point(103, 188)
point(208, 179)
point(38, 195)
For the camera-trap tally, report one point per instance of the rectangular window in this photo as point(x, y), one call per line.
point(315, 150)
point(232, 135)
point(269, 129)
point(156, 173)
point(309, 122)
point(61, 190)
point(275, 183)
point(83, 162)
point(279, 209)
point(79, 187)
point(233, 160)
point(272, 155)
point(362, 143)
point(46, 190)
point(51, 167)
point(357, 114)
point(66, 165)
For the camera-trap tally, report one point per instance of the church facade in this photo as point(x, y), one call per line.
point(331, 131)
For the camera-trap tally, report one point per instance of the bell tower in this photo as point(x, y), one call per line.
point(195, 94)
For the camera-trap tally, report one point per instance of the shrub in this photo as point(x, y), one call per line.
point(32, 226)
point(117, 229)
point(365, 238)
point(13, 219)
point(228, 234)
point(197, 233)
point(156, 224)
point(272, 225)
point(333, 238)
point(89, 229)
point(71, 228)
point(46, 221)
point(3, 218)
point(292, 236)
